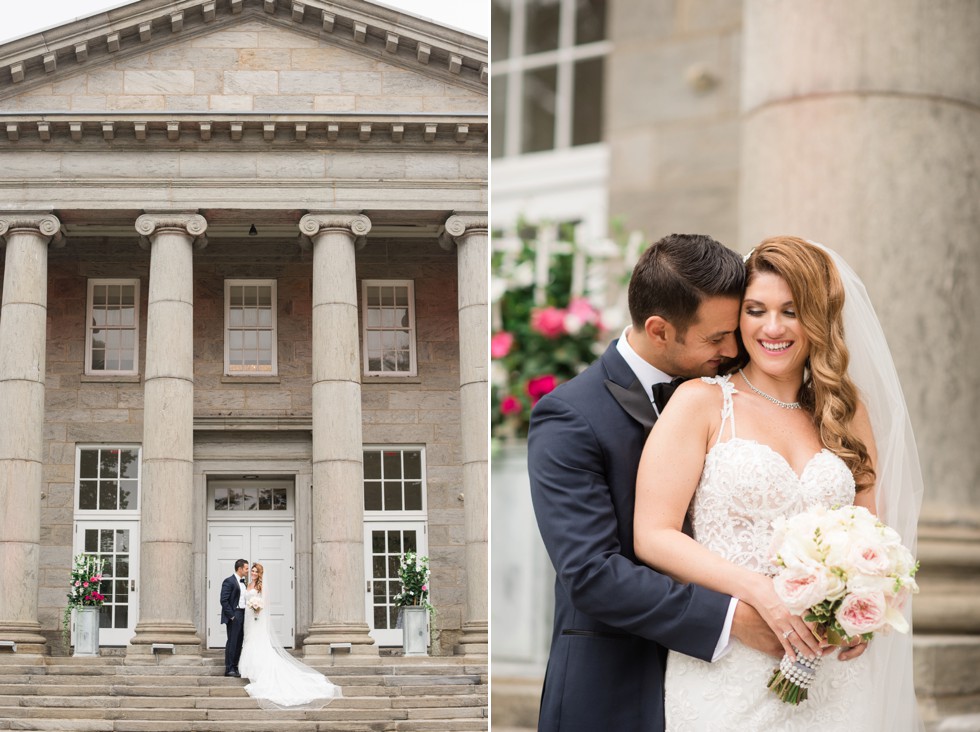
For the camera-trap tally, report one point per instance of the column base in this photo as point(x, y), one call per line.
point(321, 637)
point(182, 636)
point(26, 635)
point(474, 641)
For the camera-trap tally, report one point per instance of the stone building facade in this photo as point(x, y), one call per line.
point(244, 315)
point(853, 124)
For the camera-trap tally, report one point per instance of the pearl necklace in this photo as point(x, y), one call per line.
point(770, 397)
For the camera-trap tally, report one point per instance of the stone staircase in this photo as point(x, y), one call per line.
point(191, 694)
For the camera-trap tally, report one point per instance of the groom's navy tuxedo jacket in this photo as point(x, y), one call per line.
point(231, 591)
point(614, 617)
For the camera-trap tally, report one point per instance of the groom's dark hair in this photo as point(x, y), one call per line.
point(240, 563)
point(675, 274)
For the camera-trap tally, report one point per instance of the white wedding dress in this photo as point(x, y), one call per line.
point(744, 487)
point(277, 680)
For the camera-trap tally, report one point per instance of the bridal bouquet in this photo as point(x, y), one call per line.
point(844, 570)
point(256, 604)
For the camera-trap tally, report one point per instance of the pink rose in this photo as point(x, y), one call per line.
point(582, 309)
point(549, 321)
point(84, 584)
point(500, 344)
point(425, 588)
point(541, 385)
point(862, 612)
point(510, 405)
point(801, 586)
point(78, 583)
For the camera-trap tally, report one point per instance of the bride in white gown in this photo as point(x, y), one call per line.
point(276, 679)
point(820, 421)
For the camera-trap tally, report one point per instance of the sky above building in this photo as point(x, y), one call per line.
point(21, 19)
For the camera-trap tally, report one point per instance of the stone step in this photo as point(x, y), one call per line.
point(91, 725)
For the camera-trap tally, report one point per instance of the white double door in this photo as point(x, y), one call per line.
point(271, 545)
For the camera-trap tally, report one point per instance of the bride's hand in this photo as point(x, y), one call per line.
point(793, 632)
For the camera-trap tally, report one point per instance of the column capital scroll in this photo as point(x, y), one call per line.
point(190, 224)
point(356, 225)
point(460, 225)
point(39, 223)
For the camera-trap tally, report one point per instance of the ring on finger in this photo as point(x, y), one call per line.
point(788, 633)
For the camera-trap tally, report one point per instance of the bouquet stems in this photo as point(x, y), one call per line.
point(791, 680)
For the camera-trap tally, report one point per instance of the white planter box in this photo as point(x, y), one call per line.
point(86, 631)
point(415, 631)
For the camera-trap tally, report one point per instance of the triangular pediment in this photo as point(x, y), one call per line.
point(246, 56)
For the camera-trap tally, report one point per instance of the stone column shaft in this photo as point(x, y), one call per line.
point(23, 326)
point(167, 496)
point(338, 473)
point(469, 231)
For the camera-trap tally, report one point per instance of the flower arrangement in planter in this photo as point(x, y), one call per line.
point(413, 571)
point(86, 579)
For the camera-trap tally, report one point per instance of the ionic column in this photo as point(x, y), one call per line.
point(469, 233)
point(338, 493)
point(23, 324)
point(167, 493)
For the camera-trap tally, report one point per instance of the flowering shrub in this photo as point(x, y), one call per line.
point(413, 571)
point(83, 588)
point(533, 348)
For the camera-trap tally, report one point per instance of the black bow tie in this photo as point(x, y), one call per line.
point(242, 580)
point(663, 391)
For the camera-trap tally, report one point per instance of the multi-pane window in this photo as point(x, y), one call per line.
point(250, 498)
point(112, 335)
point(547, 71)
point(108, 478)
point(393, 480)
point(250, 327)
point(389, 327)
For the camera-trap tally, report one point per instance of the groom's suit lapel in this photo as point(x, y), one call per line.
point(627, 390)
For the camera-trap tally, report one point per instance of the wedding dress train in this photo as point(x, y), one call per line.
point(276, 679)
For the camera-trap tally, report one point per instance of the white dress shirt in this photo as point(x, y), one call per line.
point(648, 375)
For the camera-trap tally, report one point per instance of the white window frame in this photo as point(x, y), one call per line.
point(89, 327)
point(412, 333)
point(399, 514)
point(563, 58)
point(274, 371)
point(101, 513)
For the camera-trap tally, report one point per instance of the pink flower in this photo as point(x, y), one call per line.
point(425, 588)
point(869, 559)
point(78, 583)
point(510, 405)
point(500, 344)
point(801, 587)
point(549, 321)
point(84, 584)
point(582, 309)
point(862, 612)
point(541, 385)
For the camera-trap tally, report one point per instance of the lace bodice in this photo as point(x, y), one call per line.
point(746, 485)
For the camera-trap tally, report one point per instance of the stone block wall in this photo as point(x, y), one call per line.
point(672, 116)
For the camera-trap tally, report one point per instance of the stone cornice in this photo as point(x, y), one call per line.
point(462, 224)
point(163, 128)
point(41, 224)
point(364, 27)
point(354, 224)
point(189, 224)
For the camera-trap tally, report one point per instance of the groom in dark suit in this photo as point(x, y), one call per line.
point(614, 617)
point(233, 615)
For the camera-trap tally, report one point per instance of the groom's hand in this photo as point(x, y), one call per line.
point(749, 627)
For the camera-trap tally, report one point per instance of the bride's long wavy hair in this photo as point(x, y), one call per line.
point(827, 393)
point(258, 576)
